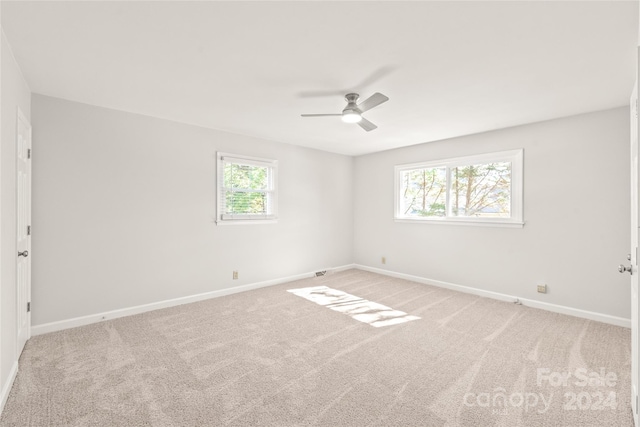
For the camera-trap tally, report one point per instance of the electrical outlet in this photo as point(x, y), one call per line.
point(542, 289)
point(235, 275)
point(384, 260)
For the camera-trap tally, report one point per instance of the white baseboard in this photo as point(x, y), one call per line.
point(114, 314)
point(6, 387)
point(591, 315)
point(337, 269)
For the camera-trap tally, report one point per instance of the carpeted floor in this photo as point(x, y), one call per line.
point(269, 357)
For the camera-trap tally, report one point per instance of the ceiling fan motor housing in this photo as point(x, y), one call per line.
point(351, 98)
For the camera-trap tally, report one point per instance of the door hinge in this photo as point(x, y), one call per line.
point(28, 307)
point(28, 230)
point(29, 150)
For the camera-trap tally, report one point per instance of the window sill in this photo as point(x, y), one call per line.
point(246, 221)
point(472, 223)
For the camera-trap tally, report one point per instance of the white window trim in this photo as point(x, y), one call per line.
point(224, 219)
point(515, 157)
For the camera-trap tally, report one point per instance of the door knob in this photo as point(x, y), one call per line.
point(624, 268)
point(23, 253)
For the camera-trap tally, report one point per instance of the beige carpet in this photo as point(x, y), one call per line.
point(269, 357)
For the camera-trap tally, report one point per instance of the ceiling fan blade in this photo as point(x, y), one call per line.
point(372, 101)
point(367, 125)
point(319, 115)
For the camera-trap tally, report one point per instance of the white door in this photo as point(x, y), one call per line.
point(633, 255)
point(23, 227)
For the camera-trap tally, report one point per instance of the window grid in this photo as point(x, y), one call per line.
point(246, 189)
point(492, 190)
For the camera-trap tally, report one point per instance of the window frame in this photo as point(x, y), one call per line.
point(515, 157)
point(272, 191)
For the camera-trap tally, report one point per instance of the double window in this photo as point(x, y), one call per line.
point(484, 189)
point(246, 189)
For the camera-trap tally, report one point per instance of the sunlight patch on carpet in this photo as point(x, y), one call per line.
point(365, 311)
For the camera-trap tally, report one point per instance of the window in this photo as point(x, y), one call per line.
point(246, 189)
point(484, 189)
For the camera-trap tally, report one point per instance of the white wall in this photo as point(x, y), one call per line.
point(15, 93)
point(576, 209)
point(124, 208)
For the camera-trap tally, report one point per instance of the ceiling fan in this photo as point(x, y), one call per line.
point(352, 113)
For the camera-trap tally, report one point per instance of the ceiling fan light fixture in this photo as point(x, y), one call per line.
point(352, 113)
point(351, 117)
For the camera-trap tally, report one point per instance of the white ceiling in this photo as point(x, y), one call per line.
point(449, 68)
